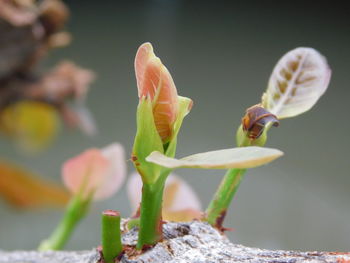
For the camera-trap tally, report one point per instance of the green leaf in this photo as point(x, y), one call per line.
point(298, 80)
point(147, 140)
point(242, 157)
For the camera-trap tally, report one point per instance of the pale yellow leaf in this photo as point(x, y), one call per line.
point(241, 157)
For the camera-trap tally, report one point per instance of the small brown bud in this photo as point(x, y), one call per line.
point(255, 119)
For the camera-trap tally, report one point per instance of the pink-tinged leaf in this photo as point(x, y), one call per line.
point(134, 191)
point(95, 172)
point(180, 201)
point(116, 173)
point(84, 173)
point(155, 82)
point(151, 78)
point(184, 196)
point(144, 53)
point(166, 108)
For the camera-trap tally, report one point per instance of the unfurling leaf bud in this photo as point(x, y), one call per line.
point(159, 114)
point(252, 131)
point(154, 82)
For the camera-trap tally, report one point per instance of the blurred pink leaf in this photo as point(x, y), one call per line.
point(117, 170)
point(180, 202)
point(95, 171)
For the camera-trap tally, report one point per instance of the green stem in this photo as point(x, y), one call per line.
point(75, 211)
point(111, 238)
point(217, 208)
point(151, 214)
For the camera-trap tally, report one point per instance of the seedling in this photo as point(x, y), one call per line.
point(159, 117)
point(297, 82)
point(93, 175)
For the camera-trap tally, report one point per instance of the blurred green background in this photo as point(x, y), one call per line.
point(220, 54)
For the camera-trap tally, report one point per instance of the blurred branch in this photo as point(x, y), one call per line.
point(66, 81)
point(29, 30)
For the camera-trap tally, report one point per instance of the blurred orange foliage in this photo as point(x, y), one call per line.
point(23, 189)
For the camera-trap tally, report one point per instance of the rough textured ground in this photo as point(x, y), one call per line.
point(194, 242)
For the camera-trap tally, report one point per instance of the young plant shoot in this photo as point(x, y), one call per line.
point(159, 117)
point(93, 175)
point(297, 82)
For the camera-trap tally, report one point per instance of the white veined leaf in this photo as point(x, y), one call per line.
point(241, 157)
point(298, 80)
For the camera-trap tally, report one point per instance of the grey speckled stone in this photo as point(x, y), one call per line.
point(49, 257)
point(194, 242)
